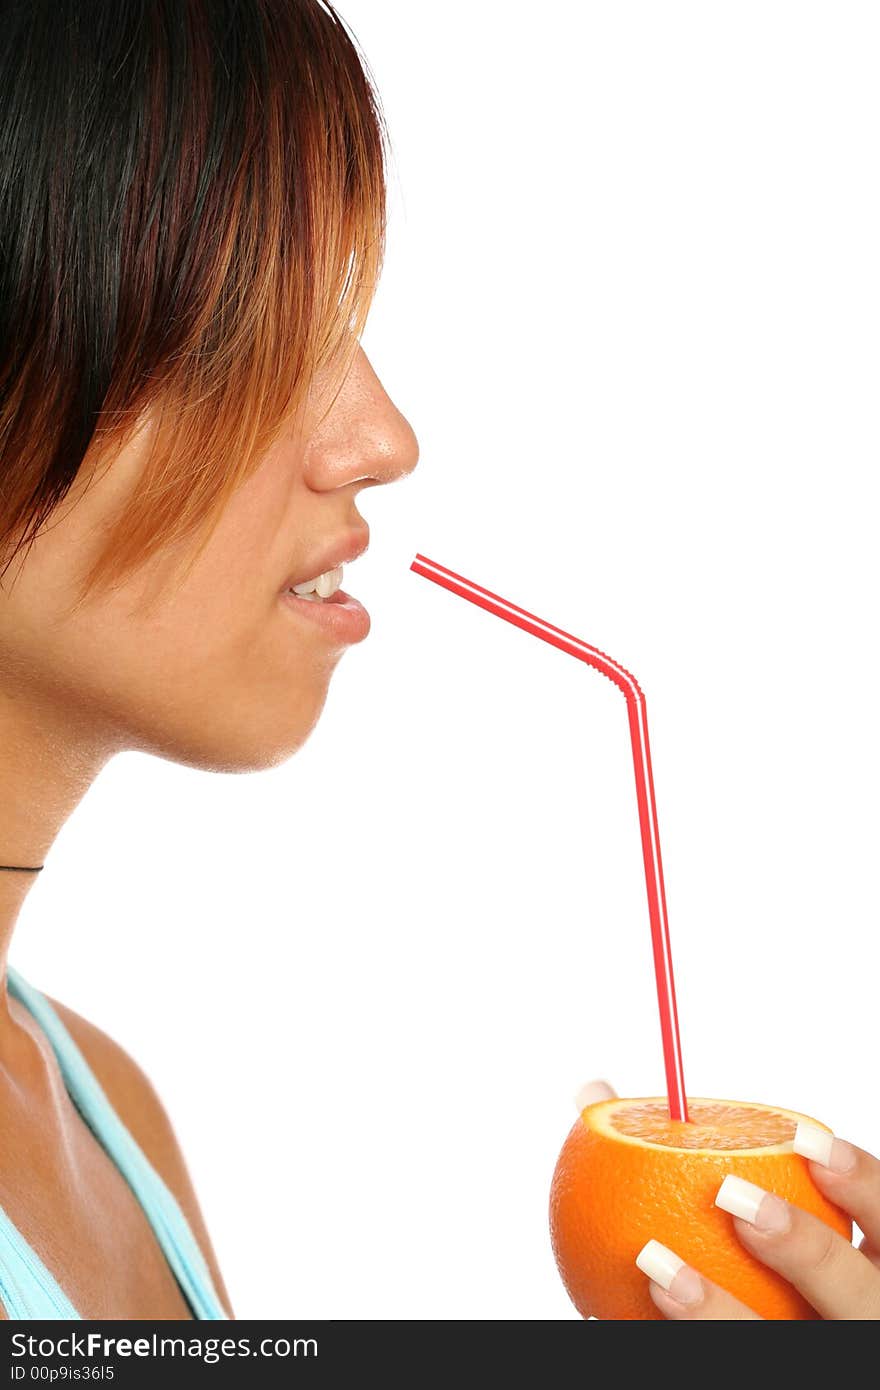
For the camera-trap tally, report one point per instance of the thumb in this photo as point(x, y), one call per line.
point(593, 1091)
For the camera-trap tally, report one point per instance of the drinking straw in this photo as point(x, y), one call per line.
point(638, 728)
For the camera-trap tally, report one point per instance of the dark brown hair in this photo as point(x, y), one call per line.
point(192, 220)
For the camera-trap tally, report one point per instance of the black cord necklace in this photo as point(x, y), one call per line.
point(22, 868)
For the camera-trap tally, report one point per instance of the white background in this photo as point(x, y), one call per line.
point(632, 307)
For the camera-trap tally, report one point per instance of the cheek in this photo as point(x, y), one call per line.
point(234, 699)
point(210, 679)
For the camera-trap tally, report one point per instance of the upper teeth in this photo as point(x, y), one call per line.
point(325, 584)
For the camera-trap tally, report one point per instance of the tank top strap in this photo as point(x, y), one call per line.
point(27, 1289)
point(171, 1228)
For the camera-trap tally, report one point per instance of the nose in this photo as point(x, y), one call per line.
point(363, 438)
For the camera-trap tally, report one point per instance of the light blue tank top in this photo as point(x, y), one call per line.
point(27, 1289)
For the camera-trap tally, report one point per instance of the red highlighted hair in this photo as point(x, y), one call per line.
point(192, 222)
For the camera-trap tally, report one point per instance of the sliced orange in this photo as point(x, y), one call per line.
point(628, 1174)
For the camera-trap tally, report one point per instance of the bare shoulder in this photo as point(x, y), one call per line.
point(136, 1102)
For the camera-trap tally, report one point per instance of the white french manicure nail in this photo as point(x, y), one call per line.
point(763, 1210)
point(659, 1263)
point(591, 1092)
point(821, 1147)
point(813, 1142)
point(740, 1198)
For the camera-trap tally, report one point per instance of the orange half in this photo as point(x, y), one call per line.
point(628, 1174)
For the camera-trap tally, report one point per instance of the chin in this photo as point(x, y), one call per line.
point(246, 745)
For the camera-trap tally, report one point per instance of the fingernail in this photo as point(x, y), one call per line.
point(821, 1147)
point(591, 1092)
point(751, 1203)
point(672, 1274)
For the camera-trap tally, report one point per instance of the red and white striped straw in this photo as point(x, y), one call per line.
point(638, 727)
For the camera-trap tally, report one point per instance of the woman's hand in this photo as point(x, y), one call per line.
point(838, 1280)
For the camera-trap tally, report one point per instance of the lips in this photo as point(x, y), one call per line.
point(340, 551)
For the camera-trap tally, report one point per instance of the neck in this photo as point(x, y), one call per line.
point(47, 763)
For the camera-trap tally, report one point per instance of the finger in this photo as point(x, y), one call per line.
point(848, 1176)
point(684, 1295)
point(870, 1252)
point(830, 1273)
point(593, 1091)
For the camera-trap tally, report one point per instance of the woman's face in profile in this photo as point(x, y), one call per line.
point(219, 670)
